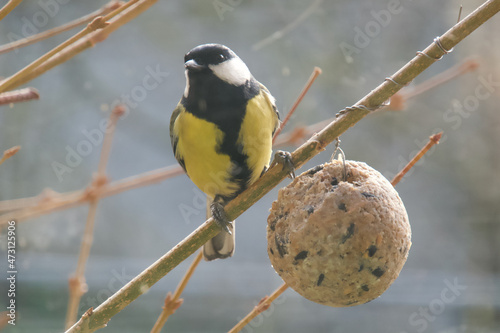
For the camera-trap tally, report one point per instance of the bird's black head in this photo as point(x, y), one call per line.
point(208, 54)
point(207, 63)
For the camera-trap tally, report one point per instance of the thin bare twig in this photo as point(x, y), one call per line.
point(261, 307)
point(17, 204)
point(124, 14)
point(172, 303)
point(50, 201)
point(77, 285)
point(112, 5)
point(398, 100)
point(21, 95)
point(95, 32)
point(10, 82)
point(312, 78)
point(433, 140)
point(9, 153)
point(120, 9)
point(466, 66)
point(9, 6)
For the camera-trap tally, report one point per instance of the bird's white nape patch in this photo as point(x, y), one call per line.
point(186, 90)
point(233, 71)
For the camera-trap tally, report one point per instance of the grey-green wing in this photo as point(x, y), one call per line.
point(173, 137)
point(272, 102)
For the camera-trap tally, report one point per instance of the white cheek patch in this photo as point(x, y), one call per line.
point(186, 90)
point(233, 71)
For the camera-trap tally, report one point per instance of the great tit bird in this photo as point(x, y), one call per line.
point(221, 132)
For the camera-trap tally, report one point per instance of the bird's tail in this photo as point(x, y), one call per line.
point(221, 246)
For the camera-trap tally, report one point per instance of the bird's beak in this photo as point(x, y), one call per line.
point(193, 65)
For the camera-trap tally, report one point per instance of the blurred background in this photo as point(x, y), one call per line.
point(452, 196)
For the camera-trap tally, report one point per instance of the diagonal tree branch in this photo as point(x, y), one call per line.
point(95, 319)
point(96, 31)
point(9, 6)
point(55, 31)
point(13, 81)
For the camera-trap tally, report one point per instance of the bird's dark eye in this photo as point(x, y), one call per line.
point(222, 57)
point(199, 61)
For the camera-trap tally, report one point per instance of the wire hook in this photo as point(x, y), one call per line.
point(341, 152)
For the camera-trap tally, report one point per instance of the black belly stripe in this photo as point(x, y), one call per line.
point(224, 105)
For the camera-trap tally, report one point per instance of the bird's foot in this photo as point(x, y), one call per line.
point(220, 217)
point(285, 159)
